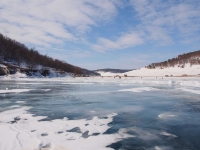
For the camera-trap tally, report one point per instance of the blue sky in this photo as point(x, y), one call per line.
point(124, 34)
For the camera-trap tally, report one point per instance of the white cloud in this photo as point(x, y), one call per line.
point(124, 41)
point(163, 20)
point(46, 22)
point(49, 22)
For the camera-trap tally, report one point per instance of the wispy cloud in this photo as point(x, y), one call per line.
point(49, 22)
point(75, 30)
point(124, 41)
point(162, 21)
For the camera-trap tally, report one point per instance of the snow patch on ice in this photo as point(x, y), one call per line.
point(168, 134)
point(142, 89)
point(46, 90)
point(163, 148)
point(20, 102)
point(22, 130)
point(14, 91)
point(30, 83)
point(166, 116)
point(78, 83)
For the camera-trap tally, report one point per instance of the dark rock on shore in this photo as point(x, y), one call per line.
point(4, 70)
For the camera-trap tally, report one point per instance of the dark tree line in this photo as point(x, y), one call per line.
point(192, 58)
point(17, 53)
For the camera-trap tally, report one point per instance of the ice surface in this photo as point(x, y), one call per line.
point(80, 113)
point(190, 90)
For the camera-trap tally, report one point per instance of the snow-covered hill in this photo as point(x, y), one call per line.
point(170, 71)
point(16, 55)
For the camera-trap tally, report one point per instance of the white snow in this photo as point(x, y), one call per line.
point(102, 73)
point(76, 83)
point(15, 76)
point(168, 134)
point(15, 91)
point(2, 66)
point(174, 71)
point(29, 83)
point(20, 102)
point(46, 90)
point(142, 89)
point(166, 116)
point(30, 133)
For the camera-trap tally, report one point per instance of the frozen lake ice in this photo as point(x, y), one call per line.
point(100, 113)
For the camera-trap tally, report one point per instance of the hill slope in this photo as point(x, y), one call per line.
point(15, 53)
point(192, 58)
point(183, 65)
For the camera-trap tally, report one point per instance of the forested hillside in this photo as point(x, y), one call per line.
point(18, 54)
point(192, 58)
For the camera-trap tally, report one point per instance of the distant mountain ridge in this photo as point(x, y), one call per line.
point(113, 70)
